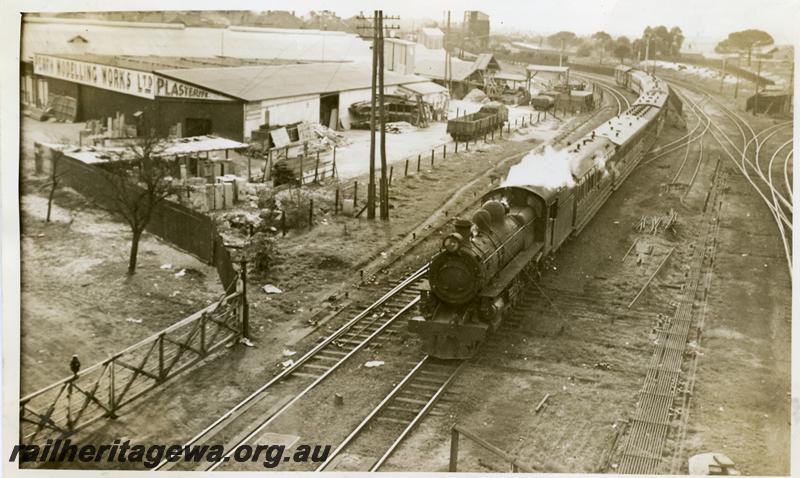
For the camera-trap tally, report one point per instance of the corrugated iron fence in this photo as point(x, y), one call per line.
point(186, 229)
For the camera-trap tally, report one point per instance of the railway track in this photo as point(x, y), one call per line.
point(393, 419)
point(315, 366)
point(664, 385)
point(623, 103)
point(703, 124)
point(254, 415)
point(780, 208)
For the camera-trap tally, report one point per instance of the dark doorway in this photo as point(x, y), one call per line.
point(328, 104)
point(197, 126)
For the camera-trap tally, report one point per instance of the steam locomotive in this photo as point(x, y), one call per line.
point(487, 261)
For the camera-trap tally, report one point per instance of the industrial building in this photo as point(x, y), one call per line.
point(476, 28)
point(222, 96)
point(431, 38)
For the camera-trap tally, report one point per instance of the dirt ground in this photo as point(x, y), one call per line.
point(574, 339)
point(74, 277)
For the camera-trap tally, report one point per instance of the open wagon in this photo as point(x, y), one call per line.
point(472, 126)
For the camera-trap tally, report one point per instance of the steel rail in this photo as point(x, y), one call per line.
point(788, 182)
point(357, 430)
point(422, 413)
point(737, 121)
point(261, 426)
point(307, 356)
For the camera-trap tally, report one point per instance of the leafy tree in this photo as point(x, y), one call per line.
point(744, 42)
point(603, 42)
point(677, 40)
point(663, 41)
point(622, 48)
point(139, 180)
point(602, 37)
point(562, 38)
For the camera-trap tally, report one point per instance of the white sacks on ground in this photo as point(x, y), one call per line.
point(548, 169)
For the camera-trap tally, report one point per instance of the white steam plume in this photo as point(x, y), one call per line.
point(549, 169)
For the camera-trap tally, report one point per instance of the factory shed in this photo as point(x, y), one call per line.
point(431, 38)
point(464, 75)
point(274, 96)
point(430, 92)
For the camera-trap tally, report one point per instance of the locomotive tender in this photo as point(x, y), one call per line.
point(482, 267)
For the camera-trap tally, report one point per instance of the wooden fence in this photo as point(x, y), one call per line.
point(99, 391)
point(357, 191)
point(308, 167)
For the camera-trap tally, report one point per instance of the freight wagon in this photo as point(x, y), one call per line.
point(472, 126)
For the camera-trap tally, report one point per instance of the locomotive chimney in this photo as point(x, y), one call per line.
point(463, 227)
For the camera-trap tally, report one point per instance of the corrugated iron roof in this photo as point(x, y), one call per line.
point(548, 68)
point(435, 69)
point(505, 75)
point(256, 83)
point(425, 88)
point(154, 62)
point(432, 32)
point(484, 60)
point(52, 35)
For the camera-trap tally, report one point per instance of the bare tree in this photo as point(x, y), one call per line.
point(55, 178)
point(140, 179)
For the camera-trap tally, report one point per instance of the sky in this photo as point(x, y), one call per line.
point(707, 18)
point(710, 19)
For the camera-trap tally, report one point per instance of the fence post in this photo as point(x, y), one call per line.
point(243, 301)
point(336, 202)
point(444, 152)
point(310, 212)
point(391, 173)
point(202, 326)
point(405, 173)
point(283, 223)
point(355, 194)
point(69, 402)
point(316, 168)
point(456, 146)
point(419, 161)
point(267, 167)
point(453, 450)
point(432, 153)
point(302, 176)
point(492, 135)
point(161, 357)
point(112, 396)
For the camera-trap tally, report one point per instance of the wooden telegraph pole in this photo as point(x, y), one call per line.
point(375, 111)
point(384, 167)
point(371, 185)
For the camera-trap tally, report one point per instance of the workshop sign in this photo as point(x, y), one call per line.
point(169, 88)
point(121, 80)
